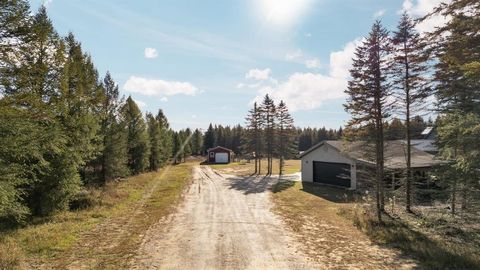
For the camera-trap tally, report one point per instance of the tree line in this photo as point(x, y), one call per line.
point(401, 65)
point(62, 127)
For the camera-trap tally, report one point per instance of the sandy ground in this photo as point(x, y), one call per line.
point(225, 222)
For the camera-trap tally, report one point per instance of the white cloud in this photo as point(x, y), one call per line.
point(150, 53)
point(159, 88)
point(281, 13)
point(341, 61)
point(46, 3)
point(313, 63)
point(164, 99)
point(258, 74)
point(140, 103)
point(420, 8)
point(379, 13)
point(292, 56)
point(194, 116)
point(307, 91)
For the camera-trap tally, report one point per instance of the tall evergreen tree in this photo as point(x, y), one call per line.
point(409, 76)
point(367, 95)
point(114, 152)
point(197, 142)
point(209, 140)
point(253, 141)
point(166, 137)
point(154, 134)
point(268, 112)
point(138, 141)
point(285, 143)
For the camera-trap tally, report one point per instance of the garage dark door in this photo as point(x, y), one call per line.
point(331, 173)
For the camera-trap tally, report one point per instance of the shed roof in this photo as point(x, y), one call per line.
point(395, 153)
point(219, 148)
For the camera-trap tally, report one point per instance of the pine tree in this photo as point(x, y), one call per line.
point(138, 141)
point(154, 134)
point(367, 92)
point(268, 111)
point(285, 144)
point(457, 87)
point(197, 142)
point(253, 141)
point(411, 84)
point(114, 153)
point(209, 140)
point(166, 137)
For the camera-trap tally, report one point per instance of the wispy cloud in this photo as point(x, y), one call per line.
point(313, 63)
point(258, 74)
point(307, 91)
point(379, 13)
point(159, 88)
point(150, 53)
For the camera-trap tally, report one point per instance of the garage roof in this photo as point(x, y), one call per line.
point(395, 153)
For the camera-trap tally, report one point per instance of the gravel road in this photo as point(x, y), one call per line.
point(225, 222)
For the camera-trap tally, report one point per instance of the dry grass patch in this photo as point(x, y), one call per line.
point(244, 168)
point(102, 236)
point(312, 213)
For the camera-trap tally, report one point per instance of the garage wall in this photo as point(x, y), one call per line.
point(327, 153)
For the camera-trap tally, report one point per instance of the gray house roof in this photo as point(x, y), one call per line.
point(395, 153)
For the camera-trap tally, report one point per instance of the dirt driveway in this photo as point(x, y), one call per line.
point(224, 223)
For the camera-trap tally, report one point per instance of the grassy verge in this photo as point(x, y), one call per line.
point(433, 249)
point(322, 216)
point(103, 236)
point(244, 168)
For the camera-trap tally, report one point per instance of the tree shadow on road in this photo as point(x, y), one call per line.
point(251, 184)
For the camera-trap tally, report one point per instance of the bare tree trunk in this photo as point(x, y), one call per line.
point(464, 193)
point(454, 194)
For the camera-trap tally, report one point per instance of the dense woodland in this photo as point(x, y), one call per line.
point(400, 65)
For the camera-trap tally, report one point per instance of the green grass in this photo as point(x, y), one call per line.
point(132, 205)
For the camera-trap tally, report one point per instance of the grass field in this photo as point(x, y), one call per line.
point(247, 168)
point(308, 208)
point(103, 236)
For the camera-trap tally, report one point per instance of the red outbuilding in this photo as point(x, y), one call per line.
point(219, 154)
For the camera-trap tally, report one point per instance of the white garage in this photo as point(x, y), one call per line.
point(325, 164)
point(336, 162)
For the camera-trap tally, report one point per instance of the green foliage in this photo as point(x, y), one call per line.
point(138, 141)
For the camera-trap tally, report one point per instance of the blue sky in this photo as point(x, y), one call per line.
point(206, 61)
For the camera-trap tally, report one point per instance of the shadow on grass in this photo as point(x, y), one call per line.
point(282, 185)
point(329, 193)
point(251, 184)
point(430, 254)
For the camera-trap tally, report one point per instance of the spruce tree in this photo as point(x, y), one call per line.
point(410, 66)
point(457, 88)
point(138, 141)
point(154, 134)
point(253, 139)
point(209, 140)
point(367, 94)
point(114, 153)
point(268, 112)
point(285, 143)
